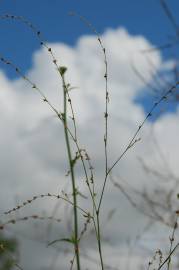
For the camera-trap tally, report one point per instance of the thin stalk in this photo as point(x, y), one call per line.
point(134, 139)
point(171, 243)
point(99, 240)
point(71, 165)
point(97, 208)
point(169, 256)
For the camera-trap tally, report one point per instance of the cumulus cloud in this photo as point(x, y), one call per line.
point(33, 152)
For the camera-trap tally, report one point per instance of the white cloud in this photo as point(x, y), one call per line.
point(33, 153)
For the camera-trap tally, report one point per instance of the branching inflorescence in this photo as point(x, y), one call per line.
point(81, 154)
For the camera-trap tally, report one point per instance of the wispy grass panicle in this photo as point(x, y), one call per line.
point(35, 30)
point(134, 139)
point(26, 218)
point(63, 197)
point(106, 113)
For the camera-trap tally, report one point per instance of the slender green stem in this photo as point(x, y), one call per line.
point(99, 240)
point(71, 165)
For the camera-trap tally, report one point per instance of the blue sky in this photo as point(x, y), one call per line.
point(51, 17)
